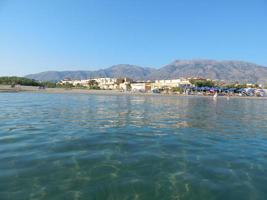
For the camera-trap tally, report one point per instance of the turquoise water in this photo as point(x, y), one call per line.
point(74, 146)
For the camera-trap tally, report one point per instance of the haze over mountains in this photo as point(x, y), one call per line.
point(217, 70)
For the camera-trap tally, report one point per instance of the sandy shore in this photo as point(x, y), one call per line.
point(7, 88)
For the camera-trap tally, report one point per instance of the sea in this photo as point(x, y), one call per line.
point(124, 147)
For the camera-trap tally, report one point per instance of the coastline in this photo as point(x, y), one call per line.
point(33, 89)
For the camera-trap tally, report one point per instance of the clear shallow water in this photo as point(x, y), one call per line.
point(63, 146)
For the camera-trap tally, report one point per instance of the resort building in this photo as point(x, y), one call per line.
point(102, 83)
point(141, 86)
point(74, 82)
point(161, 84)
point(107, 83)
point(127, 84)
point(114, 83)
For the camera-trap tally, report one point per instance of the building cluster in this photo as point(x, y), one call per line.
point(127, 84)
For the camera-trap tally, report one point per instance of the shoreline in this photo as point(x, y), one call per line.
point(32, 89)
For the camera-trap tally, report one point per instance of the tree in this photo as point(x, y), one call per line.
point(14, 80)
point(202, 82)
point(177, 89)
point(238, 86)
point(67, 85)
point(93, 84)
point(49, 84)
point(256, 86)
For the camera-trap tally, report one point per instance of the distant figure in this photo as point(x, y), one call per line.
point(228, 97)
point(41, 87)
point(215, 96)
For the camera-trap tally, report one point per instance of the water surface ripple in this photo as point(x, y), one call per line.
point(63, 146)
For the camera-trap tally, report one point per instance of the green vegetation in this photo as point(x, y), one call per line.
point(13, 80)
point(49, 84)
point(202, 83)
point(177, 89)
point(93, 85)
point(240, 86)
point(79, 86)
point(256, 86)
point(66, 85)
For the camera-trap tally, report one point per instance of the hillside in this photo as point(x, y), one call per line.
point(219, 70)
point(123, 70)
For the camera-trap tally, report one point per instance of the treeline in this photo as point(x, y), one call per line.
point(240, 86)
point(202, 82)
point(14, 80)
point(210, 83)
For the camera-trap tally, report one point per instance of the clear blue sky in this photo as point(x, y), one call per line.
point(45, 35)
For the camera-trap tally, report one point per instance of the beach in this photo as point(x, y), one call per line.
point(33, 89)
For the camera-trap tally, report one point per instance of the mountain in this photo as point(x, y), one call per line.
point(217, 70)
point(122, 70)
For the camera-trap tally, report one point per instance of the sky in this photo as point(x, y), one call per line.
point(45, 35)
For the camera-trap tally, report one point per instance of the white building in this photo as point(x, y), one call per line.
point(75, 82)
point(107, 83)
point(141, 87)
point(170, 83)
point(126, 84)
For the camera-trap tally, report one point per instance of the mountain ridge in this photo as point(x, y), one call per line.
point(228, 70)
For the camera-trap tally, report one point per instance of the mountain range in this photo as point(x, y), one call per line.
point(217, 70)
